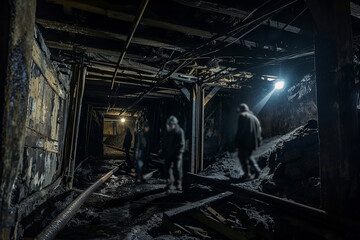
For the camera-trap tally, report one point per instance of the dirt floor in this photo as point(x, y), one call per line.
point(289, 163)
point(121, 209)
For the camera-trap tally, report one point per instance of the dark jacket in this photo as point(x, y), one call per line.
point(173, 143)
point(127, 140)
point(142, 141)
point(142, 146)
point(248, 135)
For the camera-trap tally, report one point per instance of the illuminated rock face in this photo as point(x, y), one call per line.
point(288, 110)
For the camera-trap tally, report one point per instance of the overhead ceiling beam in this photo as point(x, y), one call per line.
point(134, 76)
point(134, 94)
point(111, 11)
point(92, 79)
point(53, 25)
point(234, 12)
point(79, 48)
point(134, 26)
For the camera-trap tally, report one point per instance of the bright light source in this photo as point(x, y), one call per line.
point(122, 120)
point(279, 85)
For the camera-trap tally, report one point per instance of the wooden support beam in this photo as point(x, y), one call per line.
point(75, 102)
point(211, 94)
point(197, 130)
point(16, 42)
point(80, 97)
point(53, 25)
point(185, 92)
point(79, 48)
point(192, 206)
point(92, 80)
point(337, 114)
point(47, 70)
point(114, 12)
point(224, 230)
point(234, 12)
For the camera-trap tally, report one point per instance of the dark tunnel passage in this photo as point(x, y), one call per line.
point(180, 119)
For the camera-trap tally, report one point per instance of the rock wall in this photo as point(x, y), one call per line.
point(290, 109)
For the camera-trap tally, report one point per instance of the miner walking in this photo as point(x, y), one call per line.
point(173, 146)
point(141, 151)
point(127, 145)
point(248, 138)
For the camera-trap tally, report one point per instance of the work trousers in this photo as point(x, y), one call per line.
point(247, 161)
point(127, 158)
point(174, 168)
point(140, 163)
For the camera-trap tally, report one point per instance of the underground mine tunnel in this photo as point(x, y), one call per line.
point(179, 119)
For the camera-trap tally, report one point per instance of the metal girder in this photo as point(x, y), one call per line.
point(211, 94)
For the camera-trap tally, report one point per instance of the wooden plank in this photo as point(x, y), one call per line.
point(103, 34)
point(302, 212)
point(194, 205)
point(217, 215)
point(218, 227)
point(47, 70)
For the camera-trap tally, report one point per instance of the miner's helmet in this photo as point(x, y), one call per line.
point(172, 120)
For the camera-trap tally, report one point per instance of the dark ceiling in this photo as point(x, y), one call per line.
point(219, 42)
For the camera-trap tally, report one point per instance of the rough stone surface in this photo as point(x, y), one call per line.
point(290, 166)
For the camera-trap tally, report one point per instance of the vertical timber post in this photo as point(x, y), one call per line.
point(80, 95)
point(69, 136)
point(336, 97)
point(16, 42)
point(197, 139)
point(201, 128)
point(193, 131)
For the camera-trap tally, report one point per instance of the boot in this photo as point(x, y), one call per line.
point(179, 185)
point(170, 185)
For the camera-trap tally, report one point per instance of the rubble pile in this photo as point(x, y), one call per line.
point(290, 166)
point(294, 166)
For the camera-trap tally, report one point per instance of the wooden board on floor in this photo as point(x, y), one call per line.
point(194, 205)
